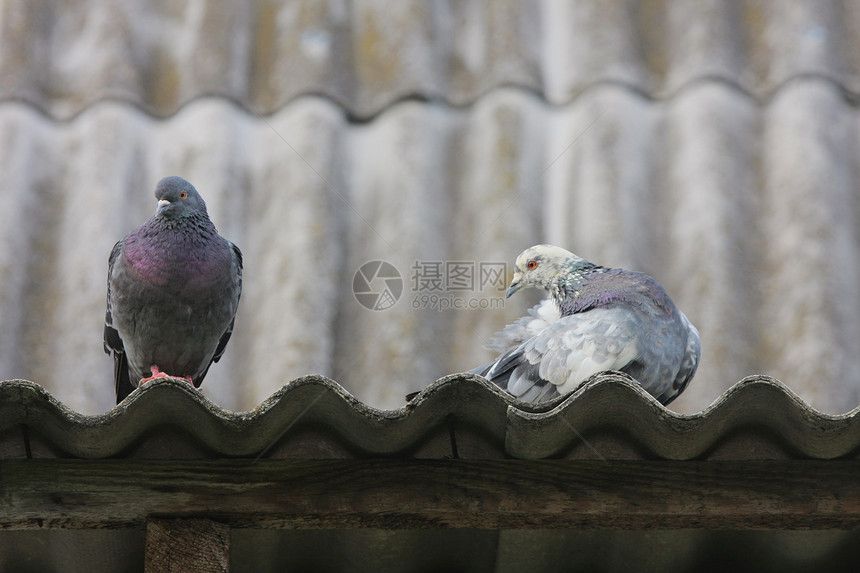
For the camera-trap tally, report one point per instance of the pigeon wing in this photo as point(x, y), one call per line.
point(222, 344)
point(568, 352)
point(235, 295)
point(689, 362)
point(112, 342)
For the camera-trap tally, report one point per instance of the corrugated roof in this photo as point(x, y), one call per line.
point(710, 144)
point(608, 430)
point(366, 55)
point(460, 416)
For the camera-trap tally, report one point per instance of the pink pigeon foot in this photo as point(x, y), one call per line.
point(158, 374)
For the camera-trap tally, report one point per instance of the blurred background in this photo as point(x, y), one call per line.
point(711, 144)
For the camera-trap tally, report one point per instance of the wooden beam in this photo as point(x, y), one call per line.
point(393, 493)
point(186, 546)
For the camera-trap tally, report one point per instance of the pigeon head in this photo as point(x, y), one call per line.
point(546, 266)
point(177, 198)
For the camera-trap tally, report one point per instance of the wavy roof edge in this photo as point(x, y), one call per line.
point(49, 108)
point(460, 415)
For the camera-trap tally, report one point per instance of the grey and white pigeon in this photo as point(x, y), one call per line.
point(172, 292)
point(596, 319)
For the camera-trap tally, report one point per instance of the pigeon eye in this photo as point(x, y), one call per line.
point(183, 194)
point(532, 264)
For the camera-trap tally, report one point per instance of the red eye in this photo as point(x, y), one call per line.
point(183, 194)
point(532, 264)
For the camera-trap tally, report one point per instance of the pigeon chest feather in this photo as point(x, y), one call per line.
point(182, 266)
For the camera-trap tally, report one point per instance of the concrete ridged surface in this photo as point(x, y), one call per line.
point(463, 416)
point(367, 54)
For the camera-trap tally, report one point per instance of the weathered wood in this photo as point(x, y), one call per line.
point(390, 493)
point(187, 546)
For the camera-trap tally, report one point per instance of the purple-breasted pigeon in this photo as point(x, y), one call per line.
point(172, 292)
point(596, 319)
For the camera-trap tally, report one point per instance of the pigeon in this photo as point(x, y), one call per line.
point(173, 289)
point(596, 319)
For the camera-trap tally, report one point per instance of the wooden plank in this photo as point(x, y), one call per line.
point(186, 546)
point(393, 493)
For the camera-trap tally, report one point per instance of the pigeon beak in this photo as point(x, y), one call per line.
point(515, 285)
point(162, 204)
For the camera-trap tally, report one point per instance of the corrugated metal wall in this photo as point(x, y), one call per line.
point(711, 144)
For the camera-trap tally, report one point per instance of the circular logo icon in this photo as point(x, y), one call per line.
point(377, 285)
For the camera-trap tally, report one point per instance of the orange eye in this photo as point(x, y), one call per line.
point(532, 264)
point(183, 194)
